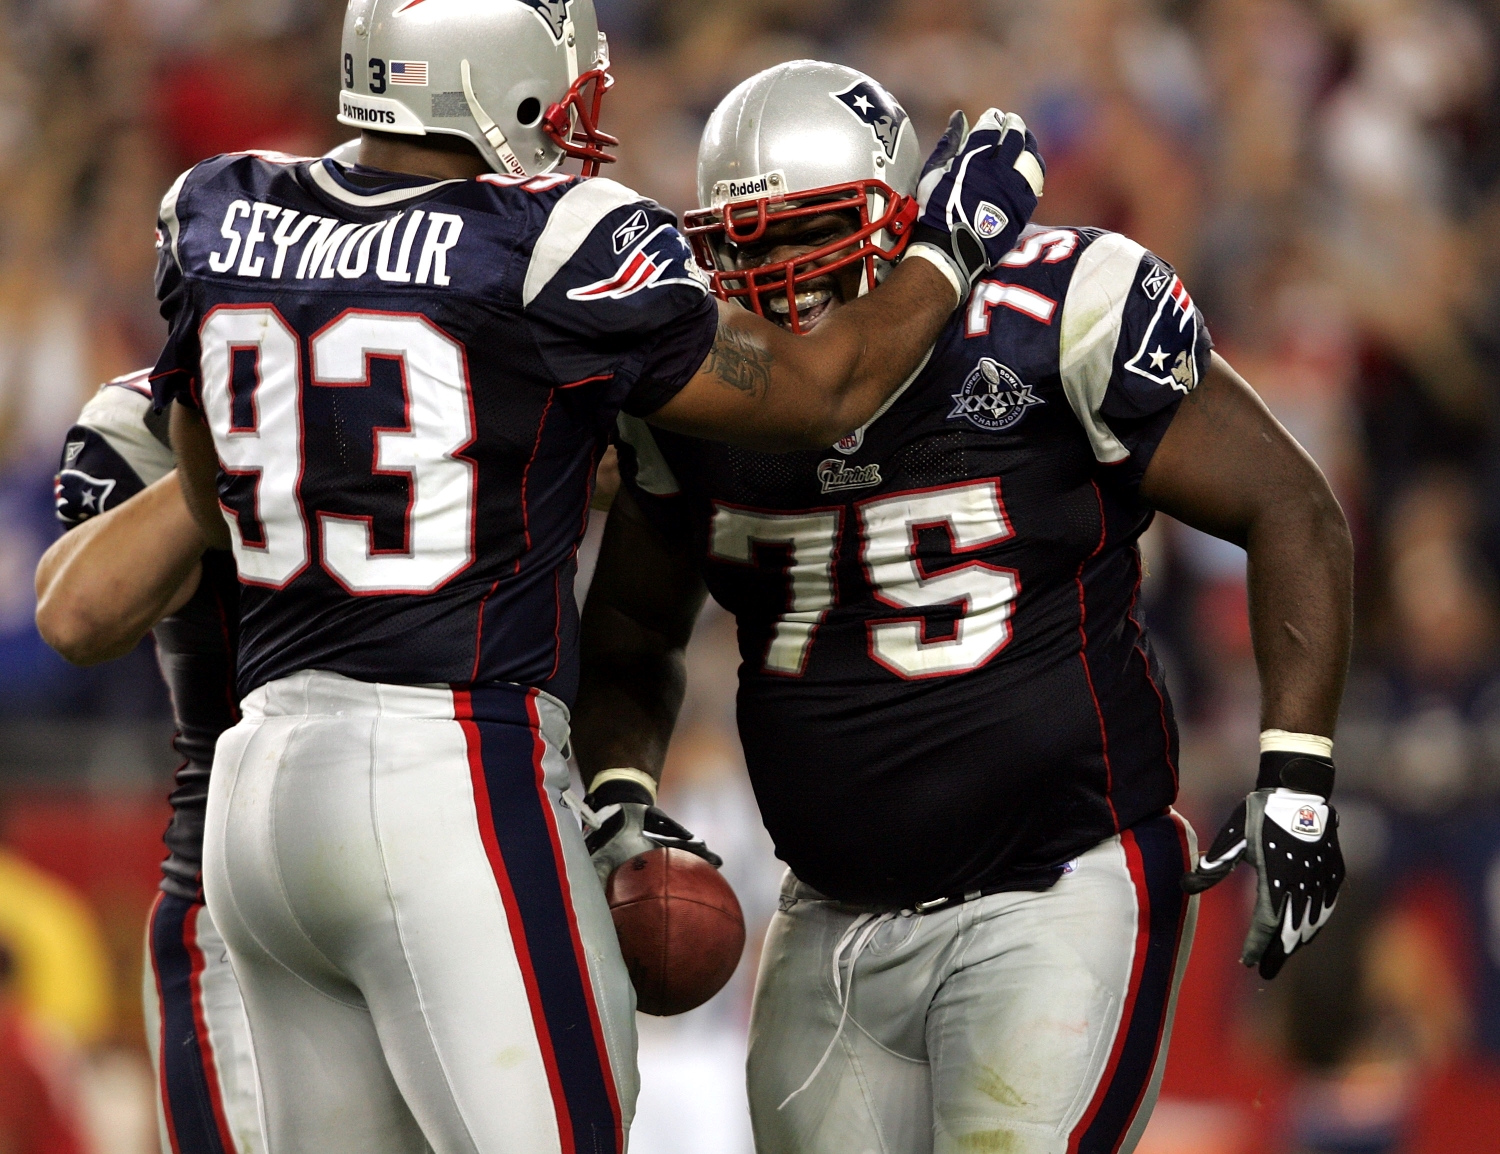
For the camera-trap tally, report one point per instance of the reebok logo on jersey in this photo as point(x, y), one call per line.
point(993, 397)
point(70, 453)
point(631, 231)
point(837, 476)
point(874, 106)
point(1157, 277)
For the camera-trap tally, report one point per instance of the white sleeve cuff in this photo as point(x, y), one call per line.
point(1280, 741)
point(623, 774)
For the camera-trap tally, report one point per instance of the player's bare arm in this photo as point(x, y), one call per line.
point(1226, 466)
point(646, 595)
point(101, 587)
point(769, 389)
point(198, 473)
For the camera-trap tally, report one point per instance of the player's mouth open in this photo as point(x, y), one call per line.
point(812, 306)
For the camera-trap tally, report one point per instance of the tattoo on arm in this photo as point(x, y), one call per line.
point(740, 363)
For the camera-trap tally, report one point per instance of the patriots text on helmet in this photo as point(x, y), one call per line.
point(368, 115)
point(267, 242)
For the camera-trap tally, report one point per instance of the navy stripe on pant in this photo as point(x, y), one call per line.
point(1161, 859)
point(190, 1096)
point(508, 750)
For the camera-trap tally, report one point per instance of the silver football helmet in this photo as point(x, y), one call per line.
point(522, 80)
point(798, 140)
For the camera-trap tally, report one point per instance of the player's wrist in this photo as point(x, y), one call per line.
point(1301, 762)
point(943, 262)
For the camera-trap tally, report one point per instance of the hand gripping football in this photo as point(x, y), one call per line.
point(680, 927)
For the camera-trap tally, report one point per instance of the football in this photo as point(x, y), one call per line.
point(680, 926)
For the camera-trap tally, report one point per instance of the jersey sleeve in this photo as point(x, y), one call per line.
point(117, 448)
point(175, 376)
point(1132, 345)
point(613, 292)
point(644, 471)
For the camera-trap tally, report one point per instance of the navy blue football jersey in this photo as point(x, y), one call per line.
point(946, 685)
point(118, 447)
point(409, 383)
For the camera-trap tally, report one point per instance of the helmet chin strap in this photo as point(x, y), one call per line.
point(490, 129)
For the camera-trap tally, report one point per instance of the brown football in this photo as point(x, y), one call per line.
point(680, 926)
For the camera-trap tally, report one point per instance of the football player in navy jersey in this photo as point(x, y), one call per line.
point(957, 730)
point(390, 386)
point(134, 560)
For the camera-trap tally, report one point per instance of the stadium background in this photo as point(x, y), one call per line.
point(1323, 172)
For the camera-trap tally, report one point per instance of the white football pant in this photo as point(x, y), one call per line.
point(426, 955)
point(1029, 1023)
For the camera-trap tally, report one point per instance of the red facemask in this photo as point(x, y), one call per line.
point(712, 230)
point(573, 122)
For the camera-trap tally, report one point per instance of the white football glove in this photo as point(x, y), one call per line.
point(1291, 837)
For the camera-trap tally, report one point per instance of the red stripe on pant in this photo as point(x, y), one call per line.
point(1137, 967)
point(200, 1020)
point(464, 712)
point(162, 1090)
point(540, 750)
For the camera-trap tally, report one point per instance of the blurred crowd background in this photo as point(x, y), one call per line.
point(1326, 176)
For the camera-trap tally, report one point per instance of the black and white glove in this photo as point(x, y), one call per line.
point(1289, 833)
point(622, 821)
point(977, 192)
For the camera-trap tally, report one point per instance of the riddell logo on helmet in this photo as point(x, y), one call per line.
point(766, 184)
point(368, 115)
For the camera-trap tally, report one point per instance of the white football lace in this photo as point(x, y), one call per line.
point(860, 931)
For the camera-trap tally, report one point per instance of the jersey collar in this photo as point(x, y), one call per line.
point(392, 188)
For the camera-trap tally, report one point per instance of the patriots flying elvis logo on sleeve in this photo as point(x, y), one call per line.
point(1169, 353)
point(873, 105)
point(643, 270)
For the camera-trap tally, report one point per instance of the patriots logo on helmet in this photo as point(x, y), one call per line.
point(873, 105)
point(553, 13)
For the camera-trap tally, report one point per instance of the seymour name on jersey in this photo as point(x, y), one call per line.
point(408, 435)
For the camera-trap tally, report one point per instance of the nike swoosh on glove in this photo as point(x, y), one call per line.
point(1291, 838)
point(628, 829)
point(977, 192)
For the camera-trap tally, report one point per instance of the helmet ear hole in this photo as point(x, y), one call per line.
point(529, 112)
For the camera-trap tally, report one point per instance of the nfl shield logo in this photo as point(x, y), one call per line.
point(1307, 822)
point(989, 221)
point(851, 444)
